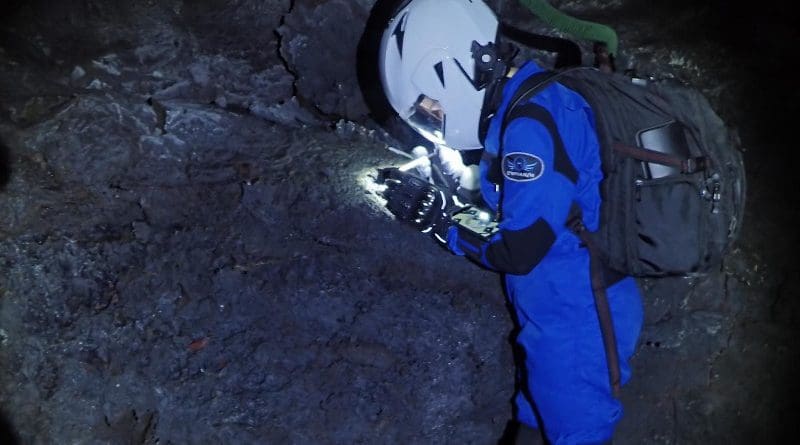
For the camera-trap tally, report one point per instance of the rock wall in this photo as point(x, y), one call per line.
point(192, 252)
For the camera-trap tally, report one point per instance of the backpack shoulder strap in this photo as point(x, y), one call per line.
point(536, 83)
point(519, 106)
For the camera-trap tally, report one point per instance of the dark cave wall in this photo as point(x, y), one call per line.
point(298, 60)
point(287, 61)
point(182, 223)
point(187, 253)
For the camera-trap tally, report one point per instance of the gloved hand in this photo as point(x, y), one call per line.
point(424, 168)
point(416, 202)
point(453, 165)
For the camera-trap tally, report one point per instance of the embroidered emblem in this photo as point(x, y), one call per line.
point(522, 167)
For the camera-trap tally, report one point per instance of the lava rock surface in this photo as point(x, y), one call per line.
point(193, 251)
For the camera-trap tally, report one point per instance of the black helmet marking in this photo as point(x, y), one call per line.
point(439, 67)
point(399, 33)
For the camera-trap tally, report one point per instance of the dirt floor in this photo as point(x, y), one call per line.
point(192, 250)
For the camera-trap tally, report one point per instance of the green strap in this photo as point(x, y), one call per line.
point(581, 29)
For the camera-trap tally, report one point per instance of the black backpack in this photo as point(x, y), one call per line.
point(674, 185)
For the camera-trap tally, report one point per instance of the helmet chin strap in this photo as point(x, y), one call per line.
point(491, 102)
point(492, 69)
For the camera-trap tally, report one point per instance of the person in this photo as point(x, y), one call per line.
point(447, 73)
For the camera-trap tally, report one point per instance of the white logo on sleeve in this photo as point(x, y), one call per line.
point(522, 167)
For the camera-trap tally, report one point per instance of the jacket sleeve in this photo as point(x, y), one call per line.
point(534, 203)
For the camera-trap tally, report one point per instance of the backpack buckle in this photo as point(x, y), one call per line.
point(574, 220)
point(575, 224)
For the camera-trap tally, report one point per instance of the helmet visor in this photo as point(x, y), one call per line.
point(427, 118)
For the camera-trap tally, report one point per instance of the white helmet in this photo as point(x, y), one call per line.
point(428, 67)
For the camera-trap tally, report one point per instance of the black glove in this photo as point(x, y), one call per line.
point(415, 201)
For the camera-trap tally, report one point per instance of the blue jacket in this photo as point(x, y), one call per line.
point(532, 183)
point(537, 187)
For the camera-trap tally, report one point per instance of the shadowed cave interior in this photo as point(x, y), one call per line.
point(191, 250)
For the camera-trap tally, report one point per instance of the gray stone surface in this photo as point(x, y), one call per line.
point(191, 251)
point(219, 283)
point(316, 39)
